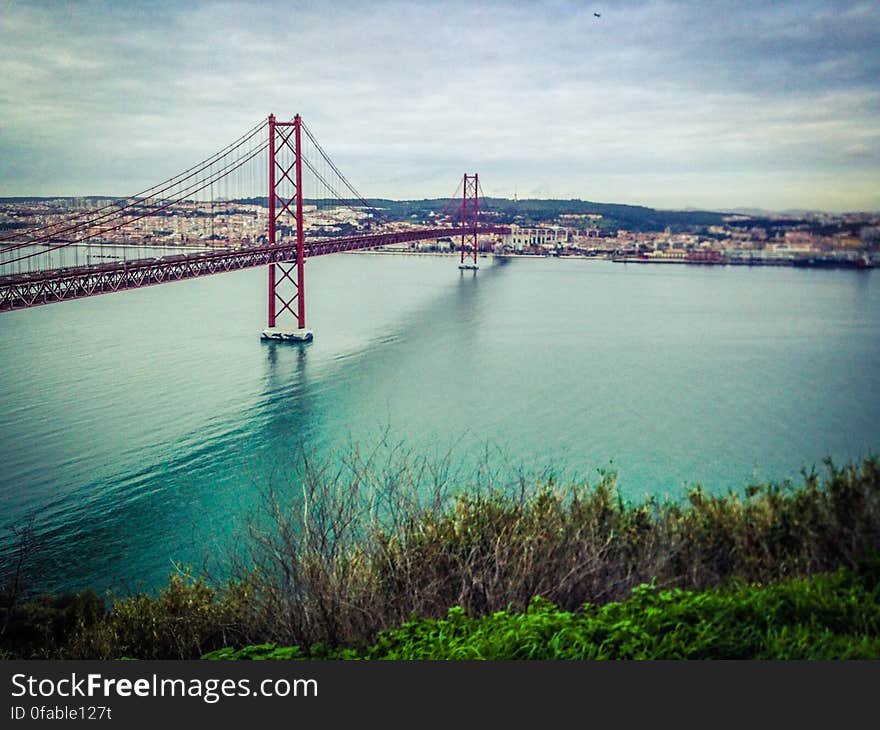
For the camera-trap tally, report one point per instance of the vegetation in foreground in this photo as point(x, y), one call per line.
point(828, 616)
point(350, 554)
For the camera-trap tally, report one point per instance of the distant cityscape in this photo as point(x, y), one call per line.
point(538, 228)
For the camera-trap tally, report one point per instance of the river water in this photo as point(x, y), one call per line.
point(136, 428)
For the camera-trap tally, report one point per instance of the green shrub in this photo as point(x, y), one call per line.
point(830, 616)
point(41, 627)
point(184, 621)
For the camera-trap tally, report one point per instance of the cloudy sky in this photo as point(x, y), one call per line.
point(708, 104)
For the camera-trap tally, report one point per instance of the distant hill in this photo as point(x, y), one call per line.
point(614, 215)
point(502, 210)
point(533, 211)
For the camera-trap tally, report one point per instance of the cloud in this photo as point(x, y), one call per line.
point(664, 103)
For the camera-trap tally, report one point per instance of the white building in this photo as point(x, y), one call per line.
point(547, 237)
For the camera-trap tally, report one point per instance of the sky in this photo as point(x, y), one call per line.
point(711, 104)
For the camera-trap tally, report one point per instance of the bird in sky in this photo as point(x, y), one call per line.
point(598, 15)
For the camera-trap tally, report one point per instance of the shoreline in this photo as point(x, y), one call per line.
point(456, 254)
point(791, 263)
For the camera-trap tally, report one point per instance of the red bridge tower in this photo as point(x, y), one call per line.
point(470, 213)
point(287, 283)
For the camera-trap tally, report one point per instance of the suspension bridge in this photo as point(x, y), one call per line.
point(271, 198)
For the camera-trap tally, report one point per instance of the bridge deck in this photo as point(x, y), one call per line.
point(19, 291)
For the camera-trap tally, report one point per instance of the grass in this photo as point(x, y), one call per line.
point(828, 616)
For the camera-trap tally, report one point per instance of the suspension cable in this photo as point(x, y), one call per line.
point(54, 231)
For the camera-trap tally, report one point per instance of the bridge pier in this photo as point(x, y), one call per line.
point(287, 334)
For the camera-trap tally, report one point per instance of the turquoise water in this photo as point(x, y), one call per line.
point(137, 428)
